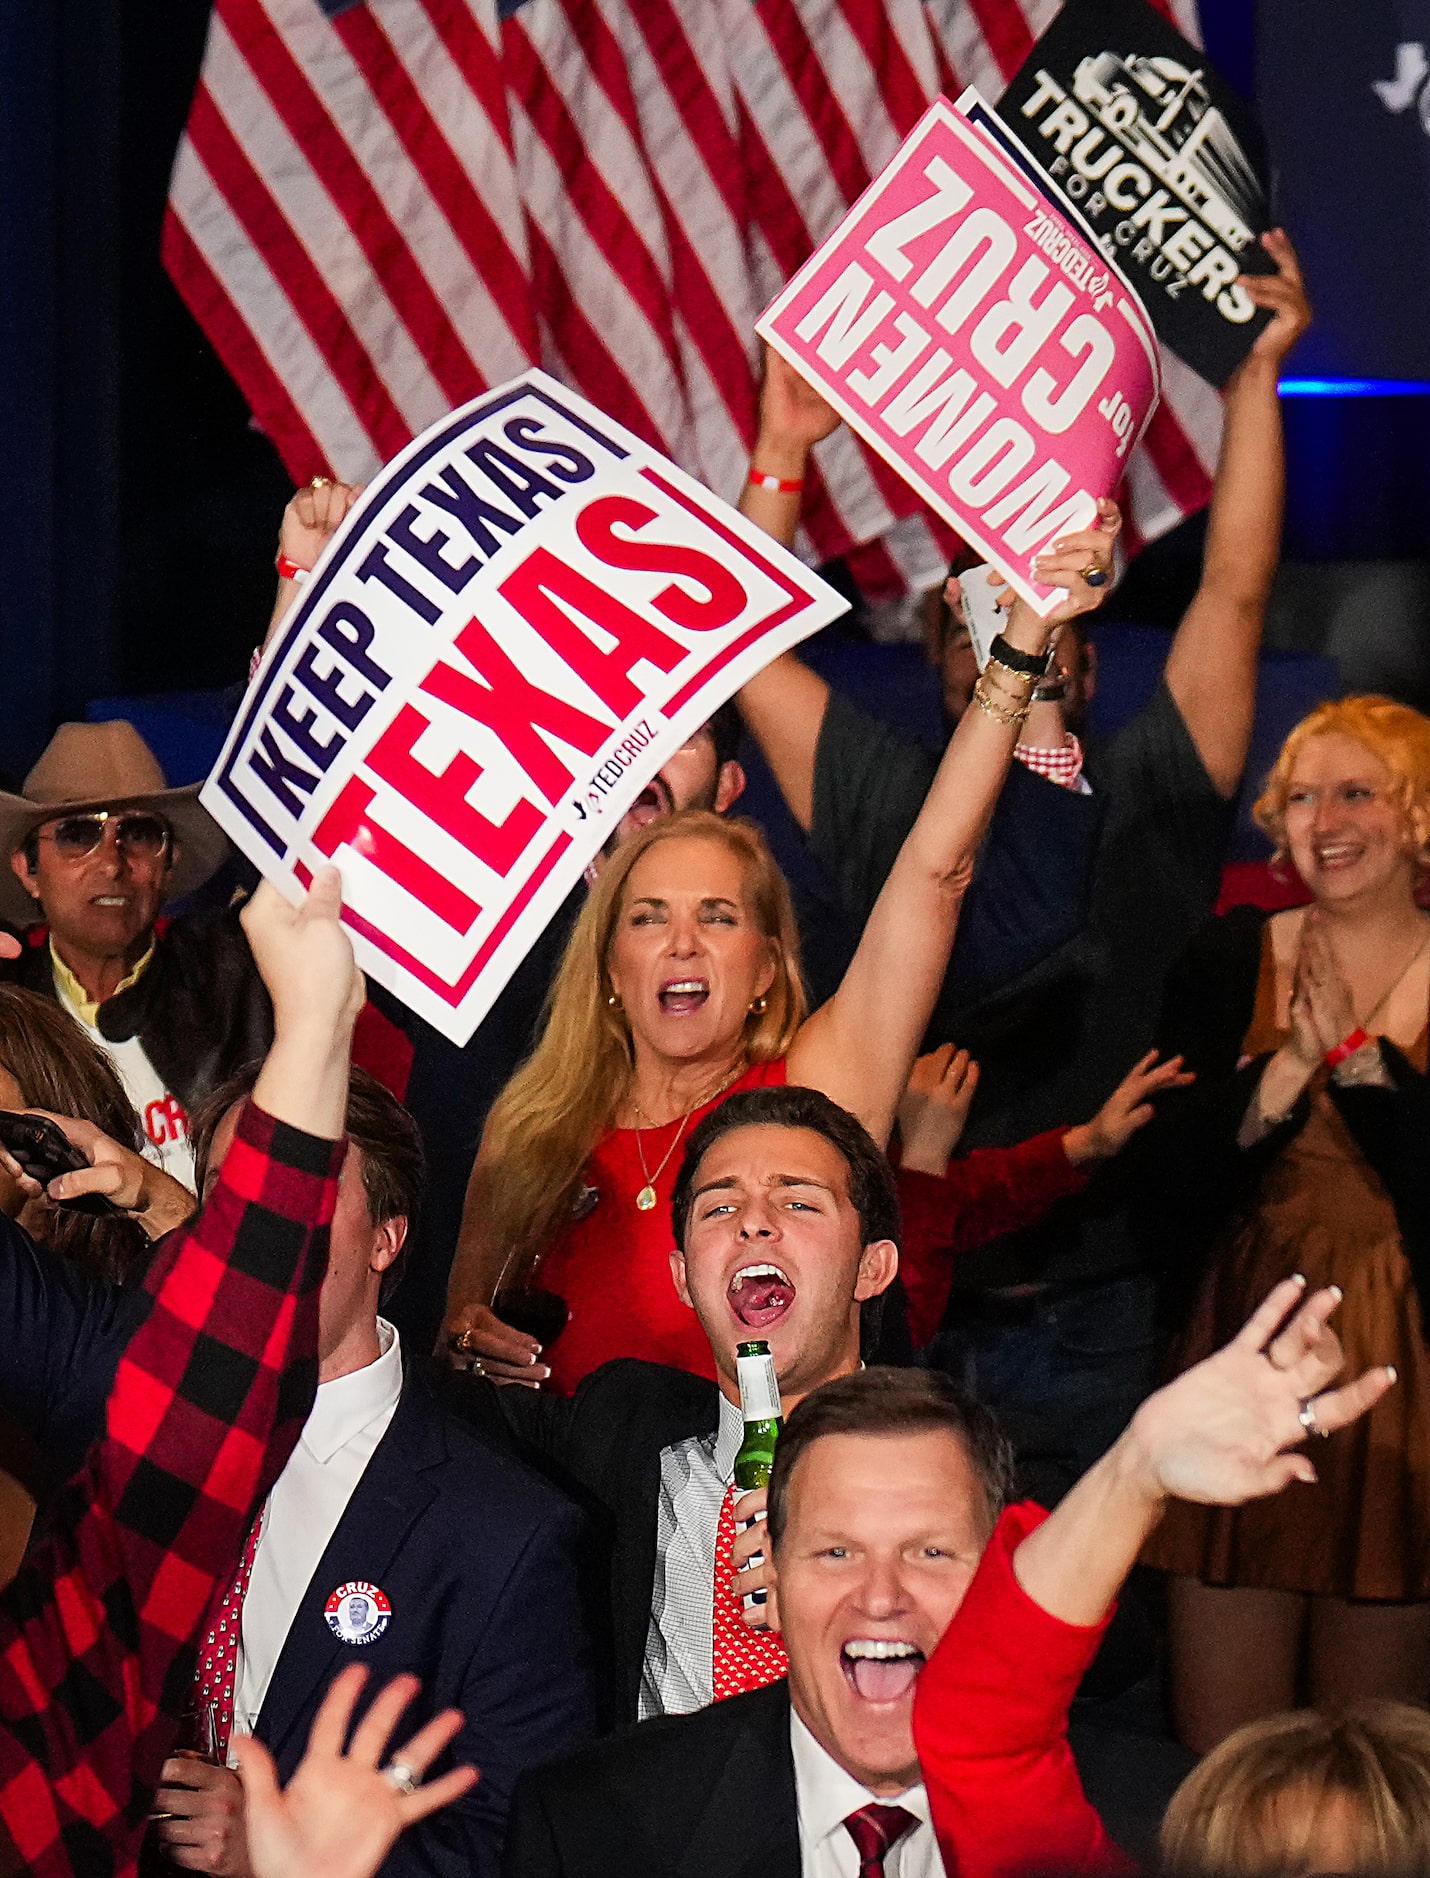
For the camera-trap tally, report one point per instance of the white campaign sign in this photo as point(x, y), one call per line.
point(528, 612)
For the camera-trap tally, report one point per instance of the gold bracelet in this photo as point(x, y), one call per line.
point(1001, 712)
point(1029, 680)
point(1019, 693)
point(1012, 700)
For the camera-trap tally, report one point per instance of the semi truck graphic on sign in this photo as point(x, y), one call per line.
point(1159, 110)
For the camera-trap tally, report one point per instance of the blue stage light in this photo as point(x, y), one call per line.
point(1355, 387)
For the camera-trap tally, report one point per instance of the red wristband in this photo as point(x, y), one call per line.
point(291, 570)
point(777, 485)
point(1348, 1046)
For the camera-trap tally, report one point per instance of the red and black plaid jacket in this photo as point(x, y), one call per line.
point(98, 1632)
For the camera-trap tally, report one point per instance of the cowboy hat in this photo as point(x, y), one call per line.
point(105, 766)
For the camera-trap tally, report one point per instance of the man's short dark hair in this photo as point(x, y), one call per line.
point(394, 1168)
point(726, 728)
point(894, 1402)
point(873, 1191)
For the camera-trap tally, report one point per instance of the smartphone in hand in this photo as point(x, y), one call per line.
point(43, 1150)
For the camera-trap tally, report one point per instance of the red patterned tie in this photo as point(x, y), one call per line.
point(874, 1829)
point(217, 1671)
point(741, 1658)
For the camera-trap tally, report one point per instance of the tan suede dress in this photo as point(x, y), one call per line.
point(1363, 1530)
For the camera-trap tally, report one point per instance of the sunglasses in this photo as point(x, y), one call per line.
point(142, 837)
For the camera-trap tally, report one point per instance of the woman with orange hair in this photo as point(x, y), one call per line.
point(1305, 1147)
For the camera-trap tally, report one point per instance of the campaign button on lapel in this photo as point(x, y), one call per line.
point(357, 1612)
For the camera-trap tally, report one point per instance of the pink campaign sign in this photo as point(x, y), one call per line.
point(972, 333)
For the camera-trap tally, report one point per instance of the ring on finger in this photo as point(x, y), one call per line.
point(400, 1774)
point(464, 1342)
point(1310, 1421)
point(1095, 574)
point(321, 482)
point(479, 1368)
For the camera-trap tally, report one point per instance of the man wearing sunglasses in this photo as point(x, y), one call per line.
point(98, 844)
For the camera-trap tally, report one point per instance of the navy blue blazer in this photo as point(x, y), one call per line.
point(476, 1555)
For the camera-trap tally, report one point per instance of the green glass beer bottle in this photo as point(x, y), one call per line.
point(760, 1405)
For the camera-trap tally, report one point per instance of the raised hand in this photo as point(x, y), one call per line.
point(1127, 1109)
point(1283, 293)
point(312, 517)
point(792, 412)
point(303, 954)
point(306, 960)
point(1231, 1428)
point(934, 1110)
point(1072, 557)
point(478, 1340)
point(342, 1811)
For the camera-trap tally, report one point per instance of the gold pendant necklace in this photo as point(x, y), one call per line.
point(648, 1196)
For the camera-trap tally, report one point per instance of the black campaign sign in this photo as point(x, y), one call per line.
point(1163, 160)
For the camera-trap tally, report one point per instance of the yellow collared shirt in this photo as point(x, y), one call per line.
point(85, 1008)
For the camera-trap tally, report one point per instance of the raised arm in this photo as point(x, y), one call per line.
point(309, 522)
point(991, 1712)
point(208, 1399)
point(1227, 1431)
point(783, 706)
point(1211, 670)
point(860, 1046)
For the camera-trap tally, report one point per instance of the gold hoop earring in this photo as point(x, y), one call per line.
point(759, 1007)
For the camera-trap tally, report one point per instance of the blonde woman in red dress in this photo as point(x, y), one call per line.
point(681, 983)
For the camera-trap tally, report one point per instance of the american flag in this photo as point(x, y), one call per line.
point(382, 207)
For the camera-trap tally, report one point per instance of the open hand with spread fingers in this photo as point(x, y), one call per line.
point(1231, 1429)
point(341, 1813)
point(1126, 1110)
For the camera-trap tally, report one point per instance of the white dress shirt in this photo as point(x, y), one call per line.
point(678, 1675)
point(350, 1415)
point(827, 1795)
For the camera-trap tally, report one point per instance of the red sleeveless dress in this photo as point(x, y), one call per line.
point(612, 1263)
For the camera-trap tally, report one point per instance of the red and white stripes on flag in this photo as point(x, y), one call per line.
point(379, 209)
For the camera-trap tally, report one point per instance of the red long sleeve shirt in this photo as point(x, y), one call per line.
point(983, 1195)
point(99, 1630)
point(991, 1729)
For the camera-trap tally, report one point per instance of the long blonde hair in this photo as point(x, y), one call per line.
point(1250, 1809)
point(544, 1124)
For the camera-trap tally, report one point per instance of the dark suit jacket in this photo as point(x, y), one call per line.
point(709, 1795)
point(602, 1445)
point(476, 1555)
